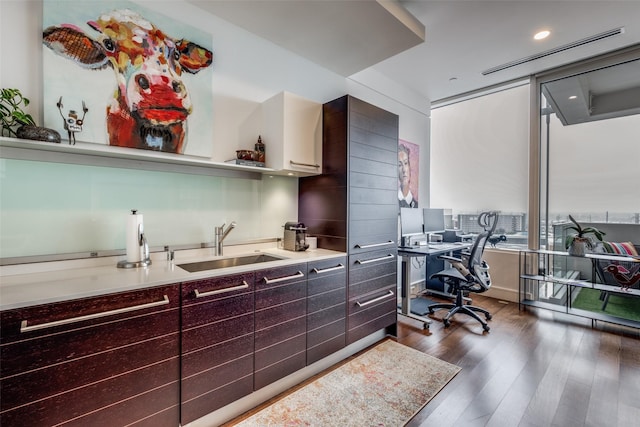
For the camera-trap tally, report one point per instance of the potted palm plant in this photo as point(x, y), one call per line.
point(579, 243)
point(13, 116)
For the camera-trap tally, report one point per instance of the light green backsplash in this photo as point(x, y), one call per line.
point(52, 208)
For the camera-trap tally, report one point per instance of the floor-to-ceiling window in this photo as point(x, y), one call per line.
point(590, 148)
point(479, 152)
point(589, 158)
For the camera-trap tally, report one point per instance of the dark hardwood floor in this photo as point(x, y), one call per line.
point(535, 368)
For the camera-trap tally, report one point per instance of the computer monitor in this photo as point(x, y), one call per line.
point(410, 222)
point(433, 220)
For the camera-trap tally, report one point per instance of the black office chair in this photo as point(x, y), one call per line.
point(468, 274)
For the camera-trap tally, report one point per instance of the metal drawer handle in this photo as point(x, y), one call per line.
point(25, 328)
point(384, 258)
point(385, 296)
point(282, 279)
point(244, 285)
point(374, 245)
point(326, 270)
point(309, 165)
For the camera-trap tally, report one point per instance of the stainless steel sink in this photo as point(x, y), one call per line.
point(193, 267)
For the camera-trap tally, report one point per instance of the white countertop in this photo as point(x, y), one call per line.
point(33, 284)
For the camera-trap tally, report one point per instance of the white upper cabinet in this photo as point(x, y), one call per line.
point(291, 129)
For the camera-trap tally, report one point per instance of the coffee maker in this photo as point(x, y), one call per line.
point(295, 237)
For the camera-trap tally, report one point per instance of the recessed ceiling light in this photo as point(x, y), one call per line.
point(542, 35)
point(453, 79)
point(572, 97)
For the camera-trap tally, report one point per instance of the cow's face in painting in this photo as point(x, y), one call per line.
point(151, 105)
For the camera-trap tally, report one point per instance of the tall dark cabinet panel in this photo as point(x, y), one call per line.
point(217, 343)
point(326, 307)
point(281, 323)
point(353, 207)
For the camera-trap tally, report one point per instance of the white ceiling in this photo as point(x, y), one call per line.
point(463, 37)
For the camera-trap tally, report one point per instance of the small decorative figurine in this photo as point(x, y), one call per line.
point(72, 123)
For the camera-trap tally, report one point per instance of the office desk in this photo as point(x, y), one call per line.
point(408, 252)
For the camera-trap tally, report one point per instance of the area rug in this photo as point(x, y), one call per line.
point(620, 305)
point(385, 386)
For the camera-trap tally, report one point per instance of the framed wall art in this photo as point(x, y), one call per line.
point(408, 174)
point(119, 74)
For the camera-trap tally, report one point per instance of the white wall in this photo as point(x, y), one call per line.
point(247, 71)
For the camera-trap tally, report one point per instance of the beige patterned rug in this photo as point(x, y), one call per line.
point(385, 386)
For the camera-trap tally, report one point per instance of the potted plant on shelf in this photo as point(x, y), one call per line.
point(12, 116)
point(578, 243)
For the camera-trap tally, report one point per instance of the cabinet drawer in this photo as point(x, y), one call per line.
point(280, 276)
point(373, 263)
point(200, 291)
point(371, 313)
point(373, 243)
point(327, 267)
point(327, 276)
point(149, 314)
point(378, 302)
point(63, 317)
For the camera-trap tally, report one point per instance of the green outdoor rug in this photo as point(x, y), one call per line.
point(626, 307)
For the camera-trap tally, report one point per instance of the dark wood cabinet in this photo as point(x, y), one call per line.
point(372, 303)
point(326, 307)
point(280, 322)
point(217, 343)
point(108, 360)
point(353, 207)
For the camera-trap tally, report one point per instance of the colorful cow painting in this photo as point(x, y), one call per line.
point(150, 107)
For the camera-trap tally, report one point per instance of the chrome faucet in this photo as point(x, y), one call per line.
point(220, 235)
